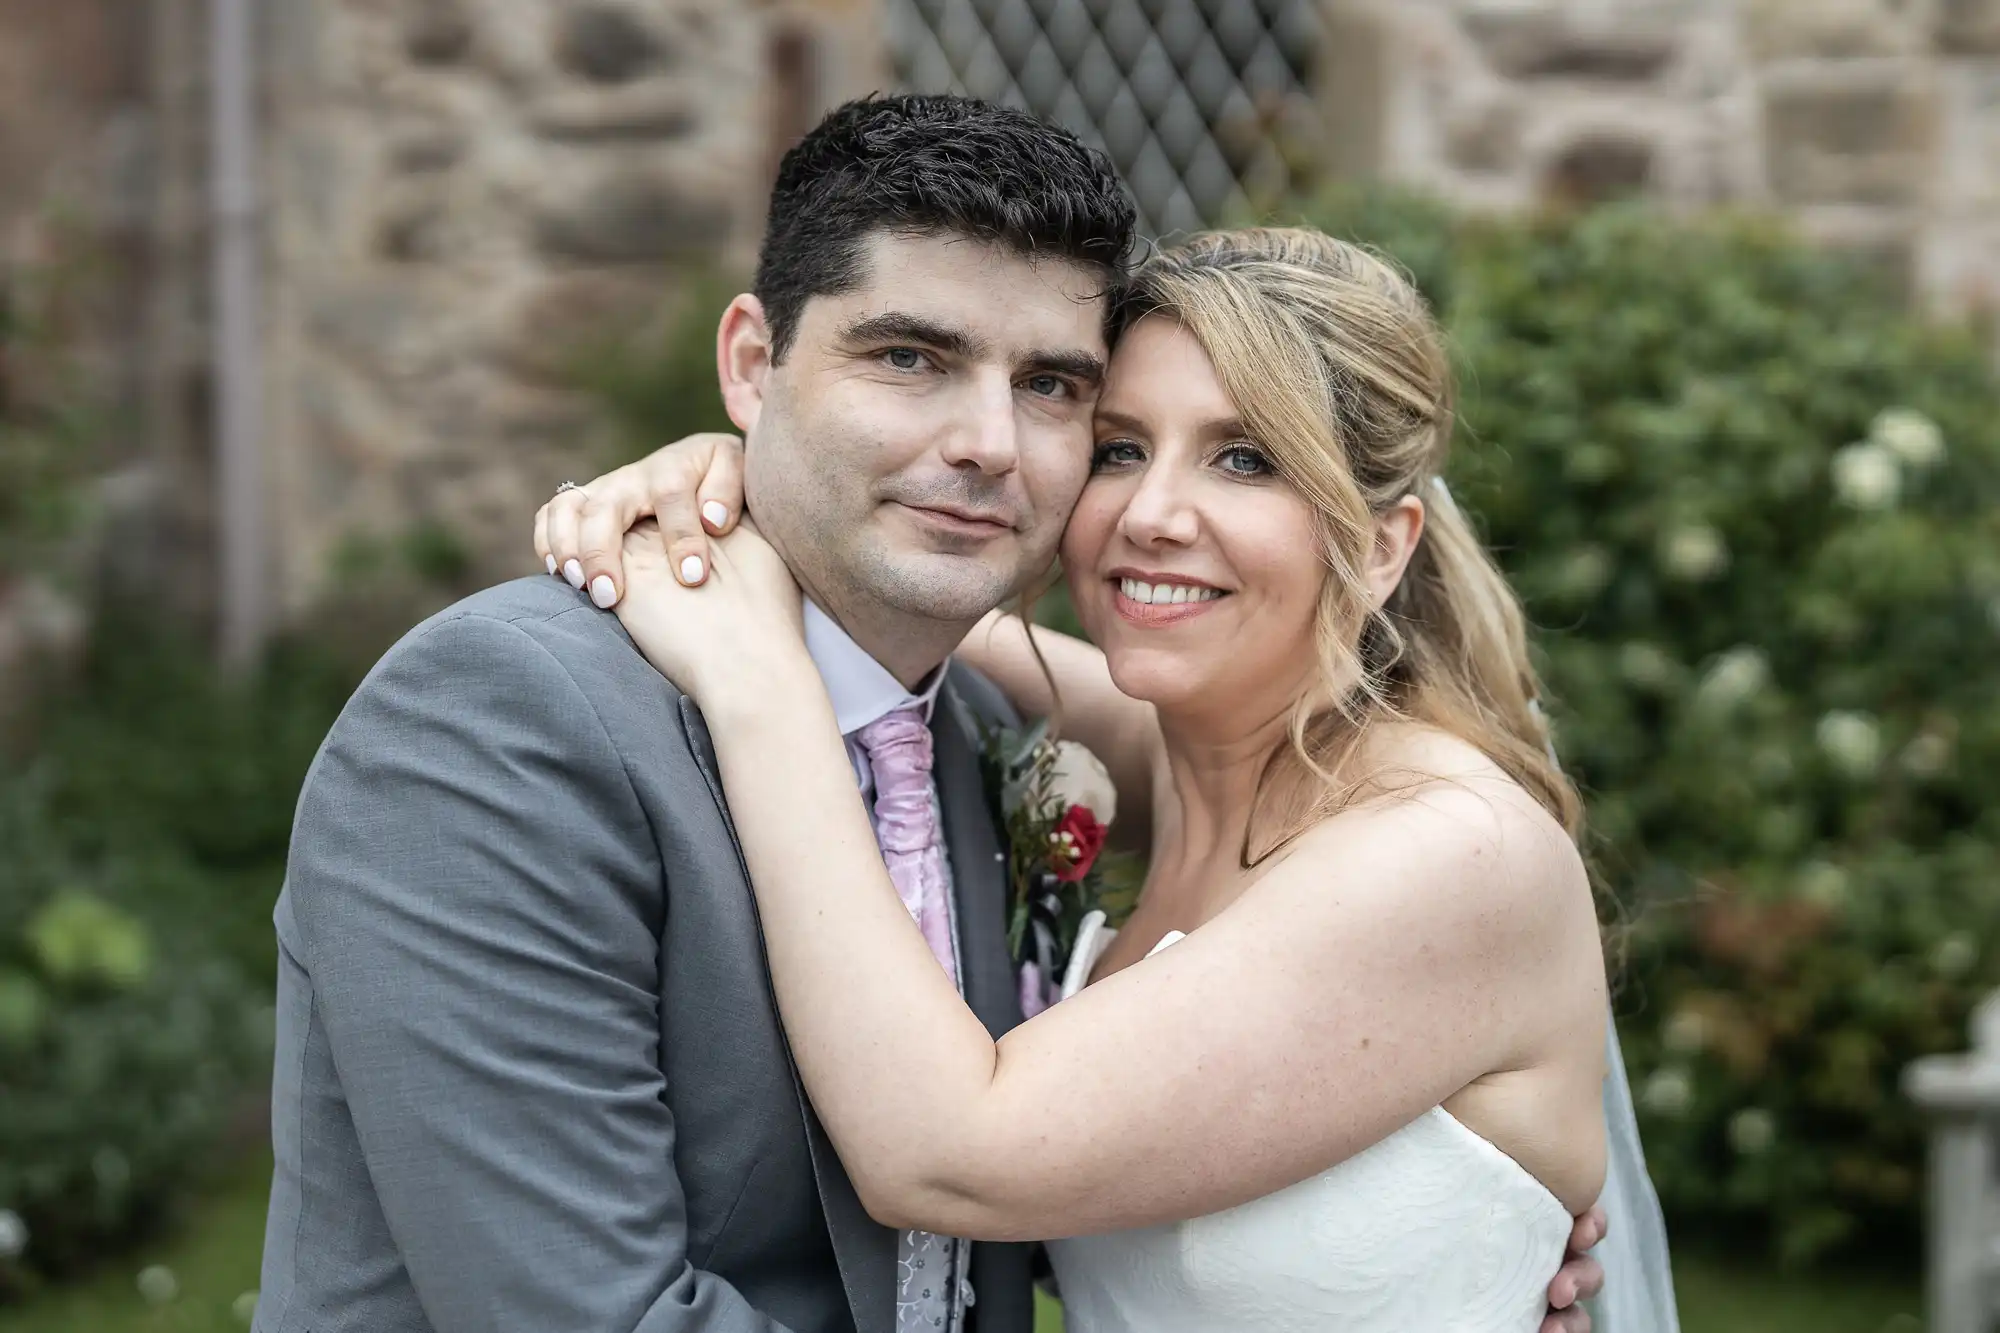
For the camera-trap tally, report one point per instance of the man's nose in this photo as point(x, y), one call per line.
point(988, 437)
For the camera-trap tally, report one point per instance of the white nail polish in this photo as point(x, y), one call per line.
point(602, 593)
point(691, 569)
point(552, 564)
point(573, 571)
point(714, 512)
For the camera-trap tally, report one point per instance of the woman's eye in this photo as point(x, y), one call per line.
point(1047, 386)
point(1245, 461)
point(1115, 453)
point(904, 358)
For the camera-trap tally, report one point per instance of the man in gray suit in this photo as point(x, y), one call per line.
point(530, 1077)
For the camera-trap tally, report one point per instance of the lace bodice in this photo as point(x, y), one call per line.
point(1433, 1228)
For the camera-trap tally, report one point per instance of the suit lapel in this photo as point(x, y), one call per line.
point(864, 1249)
point(978, 867)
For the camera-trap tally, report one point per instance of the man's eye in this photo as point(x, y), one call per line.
point(1115, 453)
point(1245, 461)
point(1047, 386)
point(904, 358)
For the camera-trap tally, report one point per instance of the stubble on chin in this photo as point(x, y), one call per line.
point(936, 586)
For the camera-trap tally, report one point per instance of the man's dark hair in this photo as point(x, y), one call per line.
point(919, 164)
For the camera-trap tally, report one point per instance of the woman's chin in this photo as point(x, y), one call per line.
point(1155, 676)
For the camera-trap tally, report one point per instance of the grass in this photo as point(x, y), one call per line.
point(1719, 1297)
point(214, 1262)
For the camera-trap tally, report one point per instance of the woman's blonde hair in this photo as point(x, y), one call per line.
point(1340, 373)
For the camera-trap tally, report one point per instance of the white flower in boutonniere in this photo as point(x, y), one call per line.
point(1055, 805)
point(1080, 778)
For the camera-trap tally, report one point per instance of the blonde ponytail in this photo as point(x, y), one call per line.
point(1466, 668)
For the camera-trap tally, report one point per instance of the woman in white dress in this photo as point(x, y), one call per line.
point(1362, 1089)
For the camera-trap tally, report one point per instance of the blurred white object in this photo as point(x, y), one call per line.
point(13, 1235)
point(1961, 1094)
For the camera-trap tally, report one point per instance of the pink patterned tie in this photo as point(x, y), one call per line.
point(906, 824)
point(931, 1291)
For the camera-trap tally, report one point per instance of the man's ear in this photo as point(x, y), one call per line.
point(743, 360)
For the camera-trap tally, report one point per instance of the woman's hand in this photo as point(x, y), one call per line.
point(731, 640)
point(693, 488)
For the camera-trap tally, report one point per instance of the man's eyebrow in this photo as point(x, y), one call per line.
point(898, 326)
point(1079, 365)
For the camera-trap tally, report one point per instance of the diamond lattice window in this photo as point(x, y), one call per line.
point(1195, 100)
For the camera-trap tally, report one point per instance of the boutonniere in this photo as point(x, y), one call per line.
point(1056, 802)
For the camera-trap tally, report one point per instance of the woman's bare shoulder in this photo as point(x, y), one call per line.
point(1446, 818)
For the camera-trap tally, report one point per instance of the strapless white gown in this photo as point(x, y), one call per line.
point(1432, 1230)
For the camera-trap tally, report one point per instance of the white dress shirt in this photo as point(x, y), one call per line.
point(862, 689)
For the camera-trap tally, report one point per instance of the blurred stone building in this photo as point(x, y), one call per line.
point(451, 197)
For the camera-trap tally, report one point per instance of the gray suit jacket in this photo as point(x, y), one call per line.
point(530, 1077)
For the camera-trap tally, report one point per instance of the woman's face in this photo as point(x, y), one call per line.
point(1192, 564)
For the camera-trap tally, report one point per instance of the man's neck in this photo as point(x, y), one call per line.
point(909, 648)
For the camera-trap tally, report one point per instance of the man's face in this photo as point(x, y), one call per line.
point(923, 442)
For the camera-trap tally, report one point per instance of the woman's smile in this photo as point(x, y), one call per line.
point(1146, 599)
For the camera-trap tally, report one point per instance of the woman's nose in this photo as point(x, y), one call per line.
point(1161, 511)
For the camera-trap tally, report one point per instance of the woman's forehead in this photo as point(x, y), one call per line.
point(1160, 368)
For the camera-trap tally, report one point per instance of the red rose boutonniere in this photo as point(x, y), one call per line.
point(1074, 845)
point(1055, 805)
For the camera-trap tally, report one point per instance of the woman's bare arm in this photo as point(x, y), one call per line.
point(1382, 968)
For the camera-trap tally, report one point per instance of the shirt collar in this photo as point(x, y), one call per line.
point(862, 689)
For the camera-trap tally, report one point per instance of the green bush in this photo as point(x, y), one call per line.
point(145, 832)
point(126, 1045)
point(154, 758)
point(1751, 505)
point(658, 383)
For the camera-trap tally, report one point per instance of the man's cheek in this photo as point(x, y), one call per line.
point(1057, 467)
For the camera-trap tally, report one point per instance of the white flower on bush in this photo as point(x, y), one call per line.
point(1584, 572)
point(1752, 1131)
point(1954, 955)
point(1736, 675)
point(1080, 778)
point(1824, 883)
point(1909, 435)
point(158, 1285)
point(1852, 741)
point(1685, 1033)
point(1927, 755)
point(1867, 476)
point(1694, 553)
point(13, 1234)
point(1667, 1092)
point(1648, 665)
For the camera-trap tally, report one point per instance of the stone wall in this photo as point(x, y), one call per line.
point(1874, 123)
point(457, 196)
point(464, 193)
